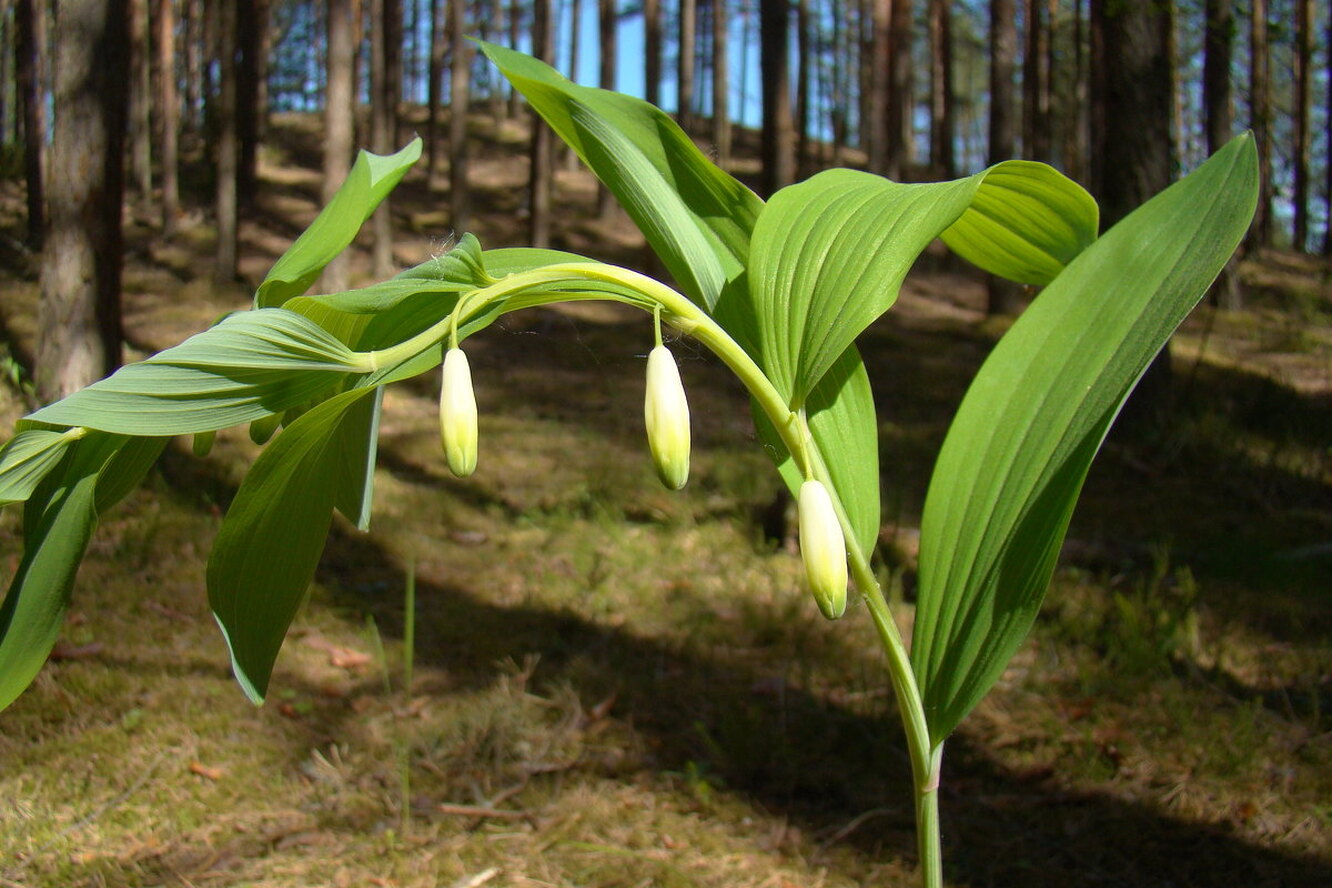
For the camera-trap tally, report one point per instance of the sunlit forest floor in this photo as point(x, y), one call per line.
point(618, 686)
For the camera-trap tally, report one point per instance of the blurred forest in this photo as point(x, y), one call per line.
point(165, 105)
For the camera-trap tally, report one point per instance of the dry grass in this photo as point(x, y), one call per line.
point(617, 686)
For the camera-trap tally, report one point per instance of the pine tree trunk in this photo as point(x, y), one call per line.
point(721, 82)
point(29, 18)
point(228, 147)
point(778, 150)
point(252, 23)
point(541, 169)
point(1003, 296)
point(684, 100)
point(652, 50)
point(803, 76)
point(1132, 140)
point(607, 31)
point(339, 114)
point(434, 84)
point(943, 126)
point(459, 106)
point(900, 104)
point(79, 321)
point(140, 91)
point(1260, 121)
point(168, 112)
point(1303, 58)
point(382, 100)
point(1036, 83)
point(875, 89)
point(1219, 113)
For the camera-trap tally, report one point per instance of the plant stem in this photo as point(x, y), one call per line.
point(666, 304)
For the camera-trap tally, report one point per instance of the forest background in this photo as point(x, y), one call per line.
point(1168, 723)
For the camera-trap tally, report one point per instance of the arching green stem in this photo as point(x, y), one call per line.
point(559, 283)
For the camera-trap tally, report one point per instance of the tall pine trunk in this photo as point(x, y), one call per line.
point(78, 318)
point(943, 126)
point(228, 145)
point(1003, 296)
point(1303, 58)
point(607, 31)
point(339, 124)
point(29, 18)
point(1219, 114)
point(721, 82)
point(459, 105)
point(541, 159)
point(383, 99)
point(778, 149)
point(1260, 121)
point(684, 99)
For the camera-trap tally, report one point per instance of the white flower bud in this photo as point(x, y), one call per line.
point(457, 414)
point(666, 414)
point(823, 548)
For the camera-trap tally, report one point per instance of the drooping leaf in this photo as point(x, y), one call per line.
point(269, 544)
point(696, 217)
point(371, 178)
point(840, 413)
point(829, 255)
point(1013, 463)
point(1025, 222)
point(357, 444)
point(252, 364)
point(28, 457)
point(59, 517)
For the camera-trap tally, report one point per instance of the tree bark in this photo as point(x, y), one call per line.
point(382, 102)
point(541, 169)
point(778, 150)
point(140, 91)
point(721, 82)
point(652, 50)
point(1260, 121)
point(608, 31)
point(875, 88)
point(459, 105)
point(228, 148)
point(434, 84)
point(1219, 113)
point(804, 74)
point(339, 112)
point(685, 79)
point(1036, 83)
point(252, 23)
point(1132, 145)
point(943, 125)
point(168, 114)
point(79, 320)
point(1303, 58)
point(900, 102)
point(29, 18)
point(1003, 296)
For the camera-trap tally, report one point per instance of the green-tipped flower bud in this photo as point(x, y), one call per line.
point(823, 549)
point(263, 428)
point(457, 414)
point(666, 414)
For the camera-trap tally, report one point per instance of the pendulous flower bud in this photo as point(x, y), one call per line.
point(457, 414)
point(823, 548)
point(666, 414)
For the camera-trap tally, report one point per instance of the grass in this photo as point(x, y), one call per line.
point(614, 685)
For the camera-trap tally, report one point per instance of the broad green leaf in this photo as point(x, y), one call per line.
point(28, 457)
point(696, 217)
point(829, 255)
point(252, 364)
point(1025, 222)
point(1015, 457)
point(840, 413)
point(269, 544)
point(357, 444)
point(59, 518)
point(371, 179)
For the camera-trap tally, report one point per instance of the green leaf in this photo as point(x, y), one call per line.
point(696, 217)
point(28, 457)
point(357, 444)
point(1025, 222)
point(1015, 457)
point(59, 518)
point(371, 179)
point(840, 413)
point(829, 255)
point(252, 364)
point(269, 544)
